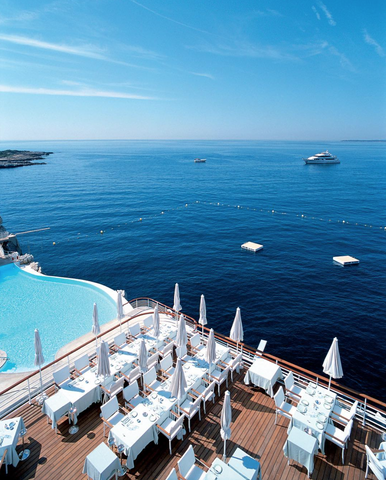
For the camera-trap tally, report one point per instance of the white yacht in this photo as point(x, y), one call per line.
point(324, 157)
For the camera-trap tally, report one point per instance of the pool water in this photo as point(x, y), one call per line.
point(61, 308)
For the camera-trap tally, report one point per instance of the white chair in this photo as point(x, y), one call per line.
point(292, 390)
point(342, 415)
point(135, 330)
point(182, 353)
point(338, 436)
point(111, 390)
point(195, 343)
point(234, 364)
point(377, 466)
point(261, 348)
point(187, 467)
point(150, 380)
point(132, 395)
point(119, 341)
point(282, 407)
point(166, 349)
point(173, 475)
point(152, 361)
point(61, 375)
point(81, 363)
point(171, 427)
point(110, 414)
point(147, 324)
point(205, 391)
point(220, 376)
point(166, 365)
point(190, 408)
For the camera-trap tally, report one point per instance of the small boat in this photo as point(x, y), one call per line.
point(199, 160)
point(322, 158)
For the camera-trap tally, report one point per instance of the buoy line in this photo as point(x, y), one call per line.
point(144, 218)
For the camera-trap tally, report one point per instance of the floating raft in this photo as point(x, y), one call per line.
point(346, 260)
point(3, 358)
point(252, 247)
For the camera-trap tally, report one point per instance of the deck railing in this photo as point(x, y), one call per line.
point(370, 410)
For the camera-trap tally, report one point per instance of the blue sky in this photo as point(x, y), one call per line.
point(192, 69)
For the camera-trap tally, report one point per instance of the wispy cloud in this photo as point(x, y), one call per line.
point(331, 21)
point(344, 61)
point(245, 49)
point(73, 93)
point(21, 17)
point(373, 43)
point(316, 12)
point(88, 51)
point(207, 75)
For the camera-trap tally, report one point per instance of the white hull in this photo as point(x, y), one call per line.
point(325, 162)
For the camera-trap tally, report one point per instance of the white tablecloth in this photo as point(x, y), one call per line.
point(301, 447)
point(221, 471)
point(10, 438)
point(101, 463)
point(221, 352)
point(247, 466)
point(263, 374)
point(317, 412)
point(56, 406)
point(83, 393)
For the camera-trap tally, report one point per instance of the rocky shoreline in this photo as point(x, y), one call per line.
point(21, 158)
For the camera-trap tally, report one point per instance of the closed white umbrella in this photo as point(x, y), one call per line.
point(210, 352)
point(182, 337)
point(226, 419)
point(95, 323)
point(178, 383)
point(39, 360)
point(142, 356)
point(332, 365)
point(177, 305)
point(202, 320)
point(103, 360)
point(237, 332)
point(120, 309)
point(156, 321)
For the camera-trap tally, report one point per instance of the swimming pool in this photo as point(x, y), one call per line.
point(61, 308)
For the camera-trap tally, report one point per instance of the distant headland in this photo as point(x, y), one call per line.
point(363, 140)
point(21, 158)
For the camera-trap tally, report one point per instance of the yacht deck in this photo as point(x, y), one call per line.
point(61, 455)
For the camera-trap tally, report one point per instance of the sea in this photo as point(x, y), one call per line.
point(141, 216)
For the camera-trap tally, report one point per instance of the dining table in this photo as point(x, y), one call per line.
point(9, 437)
point(247, 466)
point(313, 412)
point(56, 407)
point(301, 446)
point(101, 463)
point(264, 374)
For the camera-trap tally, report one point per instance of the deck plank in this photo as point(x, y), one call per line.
point(61, 456)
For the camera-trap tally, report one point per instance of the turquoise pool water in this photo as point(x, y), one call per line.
point(61, 308)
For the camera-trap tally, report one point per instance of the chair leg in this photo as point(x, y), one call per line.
point(189, 423)
point(343, 456)
point(367, 468)
point(170, 446)
point(204, 407)
point(275, 417)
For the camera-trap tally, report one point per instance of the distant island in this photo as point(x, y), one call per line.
point(21, 158)
point(363, 140)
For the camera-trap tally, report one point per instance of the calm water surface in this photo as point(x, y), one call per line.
point(290, 293)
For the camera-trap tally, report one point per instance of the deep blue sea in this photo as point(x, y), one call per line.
point(290, 293)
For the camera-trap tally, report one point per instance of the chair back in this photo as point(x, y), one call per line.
point(172, 475)
point(168, 349)
point(195, 340)
point(134, 374)
point(62, 374)
point(196, 404)
point(261, 346)
point(150, 376)
point(374, 464)
point(279, 397)
point(120, 339)
point(135, 329)
point(353, 409)
point(186, 462)
point(209, 389)
point(181, 351)
point(82, 362)
point(238, 360)
point(347, 430)
point(289, 381)
point(116, 386)
point(148, 322)
point(177, 425)
point(109, 408)
point(152, 360)
point(166, 362)
point(224, 373)
point(130, 391)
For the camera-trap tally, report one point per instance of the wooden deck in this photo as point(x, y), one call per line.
point(61, 456)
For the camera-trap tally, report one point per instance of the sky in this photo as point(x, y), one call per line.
point(192, 69)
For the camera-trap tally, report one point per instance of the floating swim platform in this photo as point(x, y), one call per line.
point(346, 260)
point(252, 247)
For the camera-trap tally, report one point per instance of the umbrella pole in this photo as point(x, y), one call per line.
point(225, 446)
point(329, 383)
point(120, 324)
point(41, 380)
